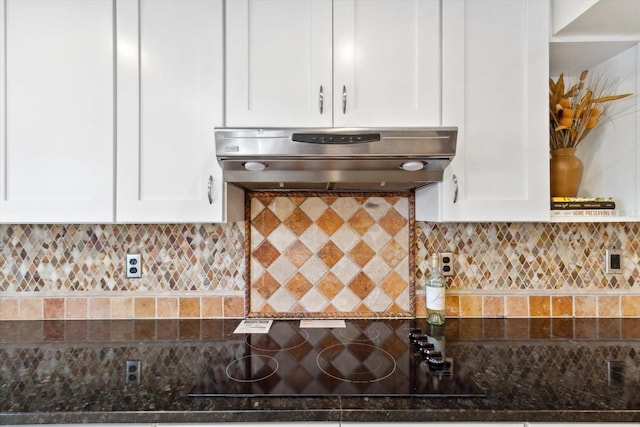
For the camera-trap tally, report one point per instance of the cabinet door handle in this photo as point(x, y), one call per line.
point(321, 100)
point(344, 99)
point(455, 189)
point(210, 189)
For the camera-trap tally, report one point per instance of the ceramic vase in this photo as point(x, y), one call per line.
point(566, 172)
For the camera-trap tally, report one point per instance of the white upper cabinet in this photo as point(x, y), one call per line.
point(57, 111)
point(170, 98)
point(279, 63)
point(386, 63)
point(495, 89)
point(333, 63)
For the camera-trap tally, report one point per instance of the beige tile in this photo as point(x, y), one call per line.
point(517, 306)
point(31, 309)
point(493, 306)
point(76, 308)
point(167, 308)
point(99, 308)
point(630, 305)
point(9, 309)
point(121, 308)
point(586, 306)
point(470, 306)
point(608, 306)
point(212, 307)
point(189, 307)
point(144, 307)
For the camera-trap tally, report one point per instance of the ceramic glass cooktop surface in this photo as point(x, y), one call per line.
point(366, 358)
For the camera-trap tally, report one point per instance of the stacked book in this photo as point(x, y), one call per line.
point(583, 206)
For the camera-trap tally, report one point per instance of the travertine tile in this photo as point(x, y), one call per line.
point(82, 263)
point(189, 307)
point(167, 307)
point(561, 306)
point(234, 307)
point(8, 309)
point(212, 307)
point(348, 258)
point(608, 306)
point(99, 308)
point(53, 308)
point(76, 308)
point(31, 309)
point(122, 308)
point(470, 305)
point(539, 306)
point(517, 306)
point(493, 306)
point(586, 306)
point(451, 304)
point(144, 307)
point(630, 305)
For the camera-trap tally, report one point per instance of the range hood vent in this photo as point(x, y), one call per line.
point(334, 159)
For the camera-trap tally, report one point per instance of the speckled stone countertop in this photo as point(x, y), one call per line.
point(530, 370)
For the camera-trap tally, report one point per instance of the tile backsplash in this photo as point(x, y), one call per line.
point(200, 270)
point(330, 256)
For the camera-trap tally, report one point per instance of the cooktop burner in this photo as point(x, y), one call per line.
point(366, 358)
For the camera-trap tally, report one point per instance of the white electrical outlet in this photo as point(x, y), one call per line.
point(446, 264)
point(134, 266)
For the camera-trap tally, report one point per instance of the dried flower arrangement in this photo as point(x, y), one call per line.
point(574, 113)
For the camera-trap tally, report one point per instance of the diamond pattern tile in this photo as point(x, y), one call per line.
point(346, 251)
point(89, 258)
point(85, 261)
point(531, 257)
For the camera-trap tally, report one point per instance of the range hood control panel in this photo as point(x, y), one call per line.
point(335, 139)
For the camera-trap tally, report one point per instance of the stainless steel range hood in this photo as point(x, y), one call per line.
point(334, 159)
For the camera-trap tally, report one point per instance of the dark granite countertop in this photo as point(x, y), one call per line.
point(530, 370)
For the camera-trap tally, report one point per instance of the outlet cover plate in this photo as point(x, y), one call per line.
point(613, 261)
point(446, 264)
point(134, 266)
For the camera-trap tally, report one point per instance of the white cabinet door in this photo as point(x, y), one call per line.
point(495, 89)
point(278, 63)
point(56, 104)
point(170, 98)
point(340, 63)
point(386, 62)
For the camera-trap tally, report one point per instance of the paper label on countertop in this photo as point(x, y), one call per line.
point(322, 323)
point(254, 326)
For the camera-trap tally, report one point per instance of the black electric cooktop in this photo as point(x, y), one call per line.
point(366, 358)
